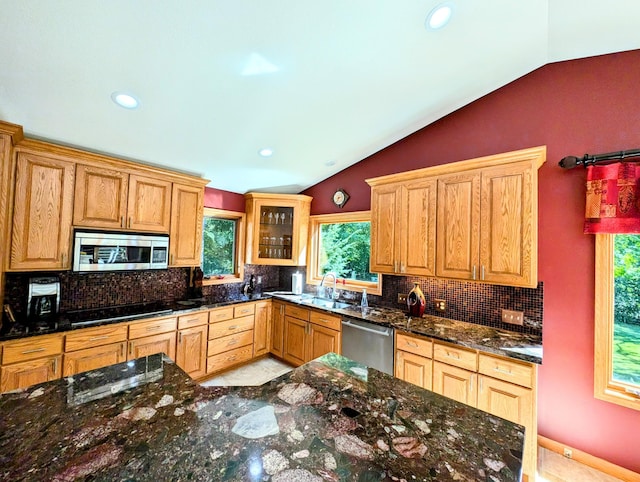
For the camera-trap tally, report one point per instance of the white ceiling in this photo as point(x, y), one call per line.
point(352, 76)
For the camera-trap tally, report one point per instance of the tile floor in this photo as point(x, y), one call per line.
point(552, 467)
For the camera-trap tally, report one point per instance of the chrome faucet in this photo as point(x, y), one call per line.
point(321, 289)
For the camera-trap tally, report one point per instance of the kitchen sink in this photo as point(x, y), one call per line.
point(330, 304)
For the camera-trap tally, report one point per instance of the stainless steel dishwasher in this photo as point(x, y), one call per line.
point(368, 343)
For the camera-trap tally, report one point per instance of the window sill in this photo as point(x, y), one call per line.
point(221, 280)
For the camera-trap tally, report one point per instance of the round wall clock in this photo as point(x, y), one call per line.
point(340, 198)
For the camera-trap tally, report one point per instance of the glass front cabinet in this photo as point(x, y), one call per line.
point(277, 228)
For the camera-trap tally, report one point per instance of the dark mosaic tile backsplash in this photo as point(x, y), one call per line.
point(472, 302)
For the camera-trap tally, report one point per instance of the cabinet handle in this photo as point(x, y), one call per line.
point(129, 221)
point(232, 342)
point(234, 327)
point(415, 345)
point(122, 221)
point(402, 268)
point(502, 370)
point(480, 385)
point(324, 320)
point(130, 347)
point(55, 366)
point(35, 350)
point(122, 349)
point(453, 355)
point(473, 272)
point(231, 358)
point(471, 380)
point(96, 338)
point(64, 257)
point(482, 272)
point(153, 328)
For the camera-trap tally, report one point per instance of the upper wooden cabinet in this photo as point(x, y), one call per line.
point(186, 225)
point(277, 228)
point(472, 220)
point(149, 204)
point(403, 227)
point(42, 211)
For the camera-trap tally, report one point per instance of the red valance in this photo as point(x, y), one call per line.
point(613, 199)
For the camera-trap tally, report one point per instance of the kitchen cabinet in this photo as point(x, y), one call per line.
point(231, 336)
point(485, 225)
point(116, 199)
point(186, 225)
point(277, 329)
point(29, 361)
point(277, 228)
point(91, 348)
point(470, 220)
point(42, 212)
point(152, 336)
point(309, 334)
point(191, 348)
point(403, 234)
point(455, 383)
point(262, 329)
point(413, 361)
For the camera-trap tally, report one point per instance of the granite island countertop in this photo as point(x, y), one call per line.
point(331, 419)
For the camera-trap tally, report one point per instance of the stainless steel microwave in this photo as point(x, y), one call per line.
point(102, 251)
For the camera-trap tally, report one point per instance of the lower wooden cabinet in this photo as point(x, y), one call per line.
point(414, 369)
point(91, 358)
point(295, 340)
point(262, 329)
point(32, 372)
point(232, 334)
point(322, 341)
point(456, 383)
point(150, 345)
point(191, 350)
point(277, 329)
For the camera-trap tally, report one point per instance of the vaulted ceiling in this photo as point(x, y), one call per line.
point(323, 84)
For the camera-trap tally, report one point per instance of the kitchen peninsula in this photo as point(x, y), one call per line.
point(330, 419)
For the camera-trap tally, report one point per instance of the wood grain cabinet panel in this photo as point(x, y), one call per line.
point(323, 340)
point(91, 337)
point(31, 348)
point(139, 329)
point(295, 346)
point(92, 358)
point(191, 350)
point(414, 369)
point(149, 204)
point(277, 329)
point(221, 314)
point(43, 208)
point(455, 383)
point(262, 328)
point(230, 342)
point(31, 372)
point(230, 327)
point(100, 197)
point(187, 204)
point(385, 229)
point(229, 358)
point(150, 345)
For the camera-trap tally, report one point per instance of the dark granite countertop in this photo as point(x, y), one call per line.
point(506, 343)
point(329, 420)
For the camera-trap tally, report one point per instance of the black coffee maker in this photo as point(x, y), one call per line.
point(44, 297)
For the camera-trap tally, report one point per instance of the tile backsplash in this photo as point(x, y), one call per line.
point(466, 301)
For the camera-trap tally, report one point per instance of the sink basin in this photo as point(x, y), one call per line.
point(330, 304)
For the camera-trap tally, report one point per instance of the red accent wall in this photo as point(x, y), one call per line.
point(227, 200)
point(583, 106)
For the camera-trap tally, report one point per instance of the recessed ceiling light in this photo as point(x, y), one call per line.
point(439, 16)
point(330, 163)
point(125, 100)
point(266, 152)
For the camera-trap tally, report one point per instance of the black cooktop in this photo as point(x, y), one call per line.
point(93, 316)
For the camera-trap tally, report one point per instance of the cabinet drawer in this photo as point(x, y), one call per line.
point(152, 327)
point(90, 337)
point(456, 356)
point(229, 327)
point(221, 314)
point(296, 312)
point(244, 310)
point(226, 343)
point(229, 358)
point(195, 319)
point(415, 345)
point(31, 348)
point(324, 319)
point(507, 370)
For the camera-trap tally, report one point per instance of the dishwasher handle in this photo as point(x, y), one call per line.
point(381, 332)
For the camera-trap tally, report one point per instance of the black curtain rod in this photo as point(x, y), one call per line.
point(570, 162)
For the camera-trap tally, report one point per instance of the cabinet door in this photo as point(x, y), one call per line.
point(322, 341)
point(150, 345)
point(295, 340)
point(414, 369)
point(92, 358)
point(191, 351)
point(505, 400)
point(100, 198)
point(458, 226)
point(25, 374)
point(455, 383)
point(418, 228)
point(186, 225)
point(508, 234)
point(385, 232)
point(42, 213)
point(149, 204)
point(277, 329)
point(262, 329)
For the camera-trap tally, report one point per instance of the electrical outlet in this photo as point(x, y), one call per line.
point(513, 317)
point(568, 453)
point(402, 298)
point(439, 304)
